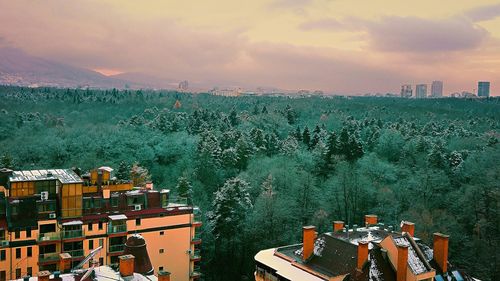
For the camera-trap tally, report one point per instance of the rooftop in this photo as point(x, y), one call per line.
point(65, 176)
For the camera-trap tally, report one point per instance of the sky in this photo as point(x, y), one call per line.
point(338, 46)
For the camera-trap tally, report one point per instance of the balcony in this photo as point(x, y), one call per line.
point(195, 273)
point(116, 229)
point(116, 248)
point(196, 240)
point(195, 256)
point(72, 234)
point(75, 253)
point(4, 243)
point(49, 236)
point(48, 257)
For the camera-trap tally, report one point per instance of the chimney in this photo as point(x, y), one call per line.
point(441, 250)
point(106, 192)
point(362, 254)
point(163, 275)
point(64, 262)
point(370, 220)
point(408, 227)
point(43, 275)
point(402, 266)
point(308, 235)
point(338, 226)
point(126, 265)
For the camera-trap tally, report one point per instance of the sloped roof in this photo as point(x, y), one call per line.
point(63, 175)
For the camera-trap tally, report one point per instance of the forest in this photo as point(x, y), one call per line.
point(261, 167)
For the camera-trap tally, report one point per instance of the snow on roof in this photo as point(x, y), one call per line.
point(416, 265)
point(106, 168)
point(75, 222)
point(102, 273)
point(117, 217)
point(63, 175)
point(284, 268)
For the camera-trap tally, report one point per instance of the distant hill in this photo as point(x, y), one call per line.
point(20, 68)
point(144, 79)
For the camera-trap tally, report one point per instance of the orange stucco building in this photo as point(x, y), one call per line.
point(51, 219)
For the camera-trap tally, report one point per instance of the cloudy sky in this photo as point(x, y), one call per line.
point(341, 46)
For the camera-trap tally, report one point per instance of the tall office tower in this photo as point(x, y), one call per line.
point(406, 91)
point(437, 89)
point(421, 91)
point(483, 89)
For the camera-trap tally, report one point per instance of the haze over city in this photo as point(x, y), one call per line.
point(341, 46)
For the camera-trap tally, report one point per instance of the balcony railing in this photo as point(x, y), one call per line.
point(48, 257)
point(196, 255)
point(116, 248)
point(195, 273)
point(68, 234)
point(49, 236)
point(117, 228)
point(75, 253)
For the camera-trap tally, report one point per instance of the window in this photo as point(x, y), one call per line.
point(2, 255)
point(101, 261)
point(138, 221)
point(160, 268)
point(30, 252)
point(100, 225)
point(30, 271)
point(28, 232)
point(2, 275)
point(2, 234)
point(17, 234)
point(91, 244)
point(114, 201)
point(18, 253)
point(162, 232)
point(18, 273)
point(101, 241)
point(90, 226)
point(162, 251)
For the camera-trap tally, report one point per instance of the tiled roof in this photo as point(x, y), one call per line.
point(63, 175)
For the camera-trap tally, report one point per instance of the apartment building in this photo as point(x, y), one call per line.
point(51, 219)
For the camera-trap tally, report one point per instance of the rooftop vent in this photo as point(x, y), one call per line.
point(49, 174)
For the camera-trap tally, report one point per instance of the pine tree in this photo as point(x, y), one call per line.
point(184, 189)
point(290, 115)
point(264, 110)
point(123, 172)
point(306, 137)
point(233, 118)
point(139, 175)
point(243, 151)
point(298, 134)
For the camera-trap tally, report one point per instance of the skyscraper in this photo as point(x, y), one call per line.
point(437, 89)
point(421, 91)
point(406, 91)
point(483, 89)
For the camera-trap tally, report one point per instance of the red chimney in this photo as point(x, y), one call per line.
point(43, 275)
point(408, 227)
point(338, 226)
point(362, 254)
point(308, 236)
point(370, 220)
point(126, 265)
point(163, 275)
point(402, 265)
point(441, 250)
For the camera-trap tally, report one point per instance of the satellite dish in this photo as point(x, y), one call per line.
point(87, 258)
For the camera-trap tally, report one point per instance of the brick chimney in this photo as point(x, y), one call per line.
point(308, 236)
point(402, 266)
point(64, 262)
point(441, 250)
point(43, 275)
point(370, 220)
point(126, 265)
point(163, 275)
point(338, 226)
point(362, 254)
point(408, 227)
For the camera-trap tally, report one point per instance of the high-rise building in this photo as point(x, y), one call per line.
point(437, 89)
point(51, 219)
point(371, 252)
point(483, 89)
point(406, 91)
point(421, 91)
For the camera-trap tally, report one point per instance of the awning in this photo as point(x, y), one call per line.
point(72, 223)
point(117, 217)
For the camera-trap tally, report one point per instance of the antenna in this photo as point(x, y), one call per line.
point(87, 259)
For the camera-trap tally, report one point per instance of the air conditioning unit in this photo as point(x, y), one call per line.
point(52, 215)
point(4, 243)
point(44, 195)
point(137, 207)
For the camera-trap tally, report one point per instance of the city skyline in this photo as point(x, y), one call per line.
point(347, 47)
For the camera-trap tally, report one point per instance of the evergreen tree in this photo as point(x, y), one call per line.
point(184, 189)
point(123, 172)
point(139, 175)
point(264, 110)
point(233, 118)
point(306, 137)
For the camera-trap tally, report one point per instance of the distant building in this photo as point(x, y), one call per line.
point(483, 89)
point(437, 89)
point(51, 219)
point(183, 85)
point(406, 91)
point(421, 91)
point(226, 92)
point(372, 252)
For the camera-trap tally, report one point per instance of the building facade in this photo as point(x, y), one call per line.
point(406, 91)
point(483, 89)
point(51, 219)
point(421, 91)
point(371, 252)
point(437, 89)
